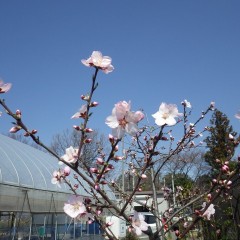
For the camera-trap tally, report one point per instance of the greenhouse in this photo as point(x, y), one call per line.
point(31, 207)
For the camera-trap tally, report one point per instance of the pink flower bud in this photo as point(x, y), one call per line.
point(225, 168)
point(88, 140)
point(177, 233)
point(214, 181)
point(100, 161)
point(94, 104)
point(110, 166)
point(26, 134)
point(93, 170)
point(117, 158)
point(34, 131)
point(96, 186)
point(99, 211)
point(88, 130)
point(164, 138)
point(76, 127)
point(103, 182)
point(15, 129)
point(144, 176)
point(67, 170)
point(228, 183)
point(209, 196)
point(18, 114)
point(85, 97)
point(111, 138)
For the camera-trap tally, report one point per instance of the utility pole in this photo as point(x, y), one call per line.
point(173, 189)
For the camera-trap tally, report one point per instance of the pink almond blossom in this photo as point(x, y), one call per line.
point(4, 87)
point(81, 113)
point(166, 114)
point(123, 120)
point(209, 211)
point(186, 104)
point(75, 206)
point(71, 155)
point(138, 223)
point(99, 61)
point(57, 178)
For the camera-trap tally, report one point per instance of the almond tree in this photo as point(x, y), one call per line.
point(149, 149)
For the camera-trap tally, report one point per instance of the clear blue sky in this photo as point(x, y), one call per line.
point(162, 51)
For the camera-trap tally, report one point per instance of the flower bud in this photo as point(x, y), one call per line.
point(164, 138)
point(76, 127)
point(144, 176)
point(96, 186)
point(225, 168)
point(15, 129)
point(111, 138)
point(85, 97)
point(94, 170)
point(18, 114)
point(103, 182)
point(94, 104)
point(100, 161)
point(209, 196)
point(177, 233)
point(214, 181)
point(88, 130)
point(66, 170)
point(88, 140)
point(34, 131)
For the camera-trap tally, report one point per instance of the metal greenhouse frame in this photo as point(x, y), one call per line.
point(31, 207)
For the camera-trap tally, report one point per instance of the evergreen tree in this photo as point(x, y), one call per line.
point(218, 143)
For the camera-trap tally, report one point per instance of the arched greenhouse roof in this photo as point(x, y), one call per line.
point(24, 166)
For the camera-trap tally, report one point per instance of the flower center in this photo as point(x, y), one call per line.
point(165, 115)
point(123, 122)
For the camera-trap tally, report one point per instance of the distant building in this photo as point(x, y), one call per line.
point(146, 198)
